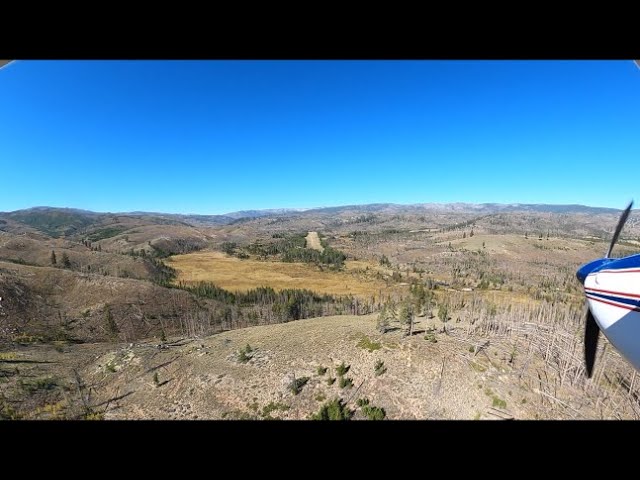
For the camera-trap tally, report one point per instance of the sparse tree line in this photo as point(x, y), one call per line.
point(220, 310)
point(65, 262)
point(271, 306)
point(87, 243)
point(178, 246)
point(289, 248)
point(460, 225)
point(159, 273)
point(367, 218)
point(420, 302)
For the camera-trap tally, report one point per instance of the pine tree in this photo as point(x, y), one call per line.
point(383, 320)
point(112, 326)
point(471, 234)
point(443, 315)
point(66, 263)
point(406, 317)
point(54, 261)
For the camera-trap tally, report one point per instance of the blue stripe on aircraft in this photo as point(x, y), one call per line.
point(627, 301)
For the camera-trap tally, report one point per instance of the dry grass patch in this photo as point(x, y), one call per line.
point(235, 274)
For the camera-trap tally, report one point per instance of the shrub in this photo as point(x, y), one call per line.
point(297, 384)
point(431, 337)
point(345, 382)
point(331, 381)
point(342, 369)
point(245, 354)
point(322, 370)
point(374, 413)
point(498, 402)
point(33, 386)
point(380, 368)
point(271, 407)
point(333, 410)
point(369, 411)
point(367, 344)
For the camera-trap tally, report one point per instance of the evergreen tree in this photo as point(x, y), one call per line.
point(112, 326)
point(406, 317)
point(66, 263)
point(443, 313)
point(383, 320)
point(54, 261)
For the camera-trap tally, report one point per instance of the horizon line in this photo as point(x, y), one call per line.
point(304, 209)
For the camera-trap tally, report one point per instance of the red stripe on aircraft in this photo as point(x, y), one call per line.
point(626, 307)
point(615, 293)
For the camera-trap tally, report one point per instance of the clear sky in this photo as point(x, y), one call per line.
point(218, 136)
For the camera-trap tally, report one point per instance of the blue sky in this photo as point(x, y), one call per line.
point(218, 136)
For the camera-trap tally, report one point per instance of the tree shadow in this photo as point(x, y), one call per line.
point(114, 399)
point(159, 366)
point(391, 329)
point(26, 361)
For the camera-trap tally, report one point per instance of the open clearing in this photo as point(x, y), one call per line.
point(202, 379)
point(234, 274)
point(313, 241)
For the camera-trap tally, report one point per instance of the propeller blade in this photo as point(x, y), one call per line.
point(621, 222)
point(591, 336)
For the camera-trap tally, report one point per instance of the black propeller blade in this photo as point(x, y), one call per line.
point(621, 222)
point(592, 330)
point(591, 336)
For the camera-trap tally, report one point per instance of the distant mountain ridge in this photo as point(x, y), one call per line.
point(371, 207)
point(486, 208)
point(71, 221)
